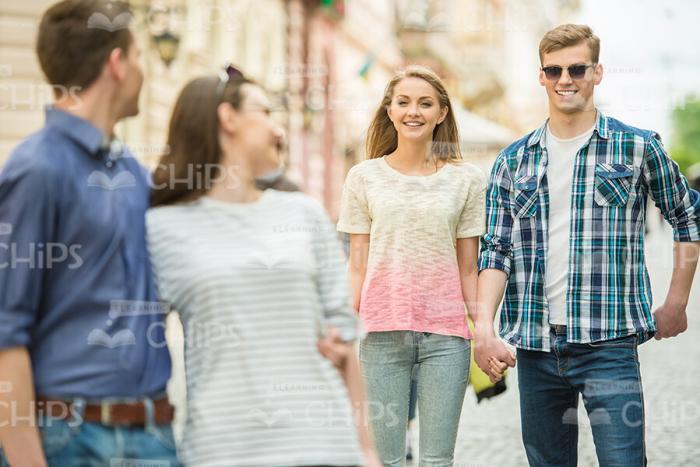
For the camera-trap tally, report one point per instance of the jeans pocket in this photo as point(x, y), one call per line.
point(612, 184)
point(56, 434)
point(164, 435)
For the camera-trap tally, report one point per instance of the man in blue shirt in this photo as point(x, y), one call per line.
point(83, 356)
point(564, 240)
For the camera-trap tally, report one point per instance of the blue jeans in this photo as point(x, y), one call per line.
point(72, 443)
point(442, 373)
point(607, 375)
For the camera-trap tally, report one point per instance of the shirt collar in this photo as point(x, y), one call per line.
point(601, 127)
point(78, 129)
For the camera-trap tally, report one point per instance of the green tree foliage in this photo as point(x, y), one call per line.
point(685, 148)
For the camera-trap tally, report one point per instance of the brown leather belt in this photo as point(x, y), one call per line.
point(109, 413)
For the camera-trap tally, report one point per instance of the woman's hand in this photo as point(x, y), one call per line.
point(332, 347)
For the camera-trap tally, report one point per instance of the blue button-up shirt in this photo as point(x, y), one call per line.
point(76, 286)
point(608, 294)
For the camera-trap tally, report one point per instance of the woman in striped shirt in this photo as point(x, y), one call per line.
point(256, 277)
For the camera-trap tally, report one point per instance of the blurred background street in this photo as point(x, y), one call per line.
point(326, 63)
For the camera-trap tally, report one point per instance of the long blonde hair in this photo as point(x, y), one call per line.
point(382, 137)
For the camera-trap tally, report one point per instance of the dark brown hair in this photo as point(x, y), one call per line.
point(186, 170)
point(382, 138)
point(76, 38)
point(567, 35)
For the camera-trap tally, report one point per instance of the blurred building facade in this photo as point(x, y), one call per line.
point(325, 63)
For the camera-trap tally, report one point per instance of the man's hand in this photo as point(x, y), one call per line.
point(492, 356)
point(334, 348)
point(19, 435)
point(671, 320)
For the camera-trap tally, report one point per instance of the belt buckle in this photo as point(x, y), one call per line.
point(559, 329)
point(105, 413)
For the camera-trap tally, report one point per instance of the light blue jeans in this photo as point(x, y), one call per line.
point(442, 374)
point(74, 443)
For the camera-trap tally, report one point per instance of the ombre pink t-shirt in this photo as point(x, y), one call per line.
point(412, 280)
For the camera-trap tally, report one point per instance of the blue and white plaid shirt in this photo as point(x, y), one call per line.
point(609, 294)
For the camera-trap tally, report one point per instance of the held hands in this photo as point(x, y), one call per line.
point(671, 320)
point(334, 348)
point(491, 355)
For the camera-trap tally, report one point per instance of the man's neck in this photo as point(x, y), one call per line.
point(99, 114)
point(566, 126)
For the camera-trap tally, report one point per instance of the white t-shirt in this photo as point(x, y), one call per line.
point(561, 156)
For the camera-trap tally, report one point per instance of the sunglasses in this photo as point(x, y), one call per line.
point(575, 71)
point(228, 73)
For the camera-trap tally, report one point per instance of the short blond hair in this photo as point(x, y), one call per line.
point(568, 35)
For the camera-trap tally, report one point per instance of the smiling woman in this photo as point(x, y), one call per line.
point(414, 212)
point(416, 100)
point(256, 277)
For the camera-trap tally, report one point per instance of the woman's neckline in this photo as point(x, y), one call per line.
point(235, 205)
point(393, 170)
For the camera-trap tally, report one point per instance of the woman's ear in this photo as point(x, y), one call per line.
point(443, 114)
point(227, 117)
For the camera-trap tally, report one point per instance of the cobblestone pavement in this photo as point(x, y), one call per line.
point(489, 433)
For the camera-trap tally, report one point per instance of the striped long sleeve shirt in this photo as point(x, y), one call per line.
point(256, 284)
point(608, 294)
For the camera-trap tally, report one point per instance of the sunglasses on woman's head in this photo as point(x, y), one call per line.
point(554, 72)
point(228, 73)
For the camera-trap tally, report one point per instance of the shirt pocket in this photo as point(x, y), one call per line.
point(525, 196)
point(612, 184)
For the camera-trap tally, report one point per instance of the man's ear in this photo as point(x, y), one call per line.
point(598, 76)
point(542, 78)
point(116, 63)
point(227, 117)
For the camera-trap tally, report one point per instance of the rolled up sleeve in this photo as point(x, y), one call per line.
point(679, 204)
point(26, 219)
point(496, 247)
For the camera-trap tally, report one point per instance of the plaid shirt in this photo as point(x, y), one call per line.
point(609, 294)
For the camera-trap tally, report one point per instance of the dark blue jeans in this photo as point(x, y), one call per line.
point(70, 443)
point(607, 375)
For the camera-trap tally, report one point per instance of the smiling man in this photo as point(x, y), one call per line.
point(565, 208)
